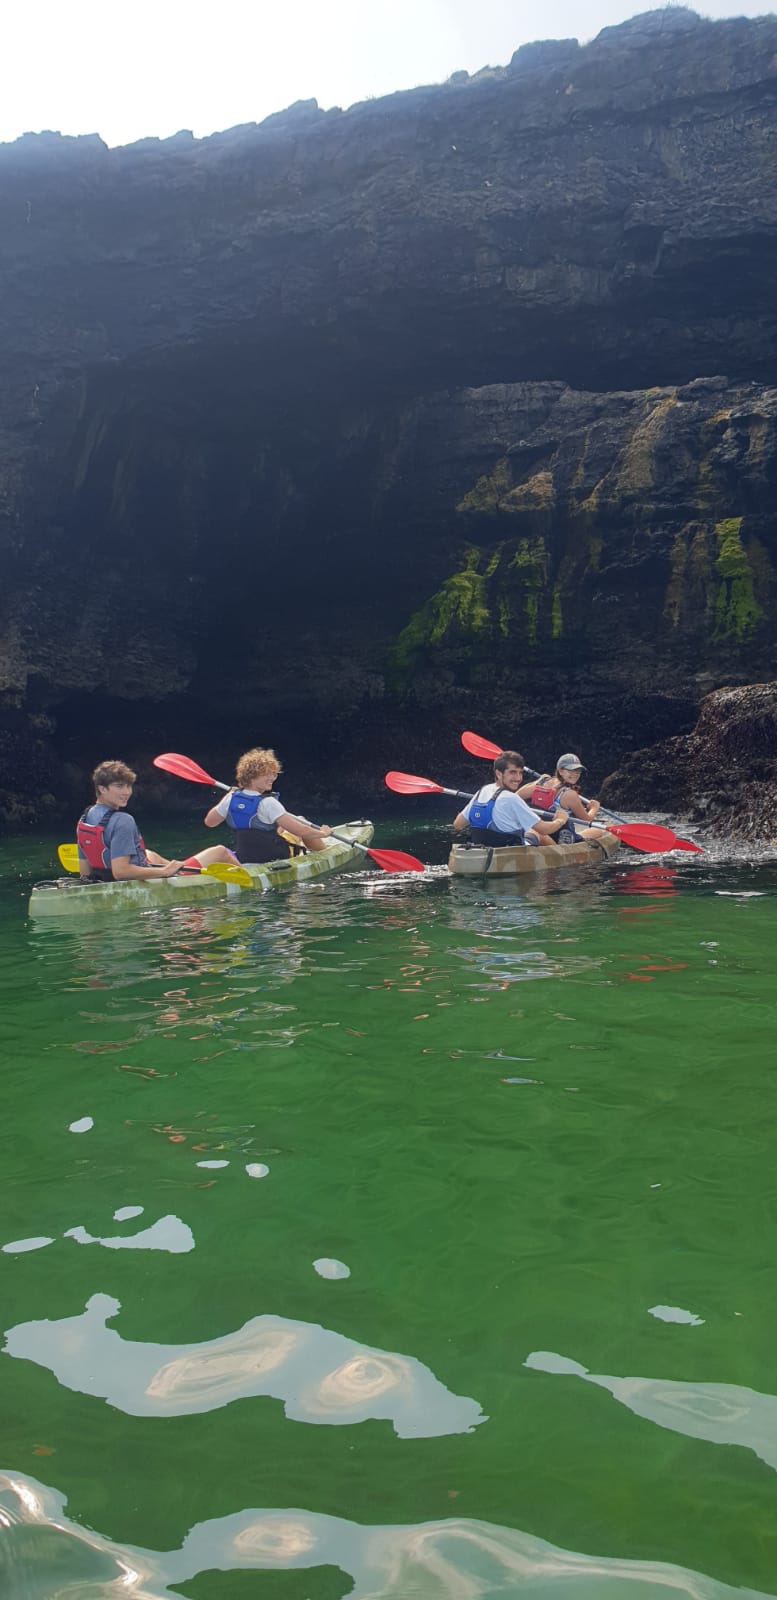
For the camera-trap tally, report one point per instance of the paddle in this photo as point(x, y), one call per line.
point(182, 767)
point(483, 747)
point(480, 747)
point(640, 835)
point(405, 783)
point(223, 870)
point(387, 860)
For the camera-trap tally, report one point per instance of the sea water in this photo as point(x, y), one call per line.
point(393, 1236)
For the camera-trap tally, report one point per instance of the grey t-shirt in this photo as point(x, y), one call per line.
point(123, 834)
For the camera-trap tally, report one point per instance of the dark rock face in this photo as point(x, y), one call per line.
point(723, 774)
point(351, 426)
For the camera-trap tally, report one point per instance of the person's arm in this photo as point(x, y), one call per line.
point(312, 837)
point(218, 813)
point(122, 868)
point(584, 810)
point(124, 842)
point(548, 829)
point(527, 789)
point(462, 820)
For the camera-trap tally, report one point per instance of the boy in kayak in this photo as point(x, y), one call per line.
point(549, 793)
point(259, 818)
point(109, 841)
point(497, 815)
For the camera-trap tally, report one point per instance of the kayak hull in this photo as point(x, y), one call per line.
point(63, 898)
point(300, 869)
point(482, 861)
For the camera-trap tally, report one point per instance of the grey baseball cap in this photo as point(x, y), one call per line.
point(570, 762)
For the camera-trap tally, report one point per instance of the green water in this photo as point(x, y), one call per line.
point(522, 1122)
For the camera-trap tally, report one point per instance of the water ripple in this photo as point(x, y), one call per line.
point(454, 1559)
point(320, 1376)
point(721, 1413)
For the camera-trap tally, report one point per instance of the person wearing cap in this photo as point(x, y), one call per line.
point(561, 792)
point(496, 815)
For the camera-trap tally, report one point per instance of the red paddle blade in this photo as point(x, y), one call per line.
point(182, 767)
point(649, 836)
point(688, 844)
point(396, 861)
point(480, 747)
point(405, 783)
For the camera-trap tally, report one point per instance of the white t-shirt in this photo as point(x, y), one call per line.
point(511, 814)
point(267, 811)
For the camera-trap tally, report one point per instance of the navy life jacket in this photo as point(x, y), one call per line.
point(255, 840)
point(92, 840)
point(567, 834)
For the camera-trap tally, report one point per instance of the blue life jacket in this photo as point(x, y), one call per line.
point(243, 808)
point(481, 823)
point(255, 840)
point(481, 812)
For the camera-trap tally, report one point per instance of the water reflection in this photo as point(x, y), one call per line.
point(167, 1233)
point(175, 942)
point(456, 1559)
point(722, 1413)
point(653, 880)
point(320, 1376)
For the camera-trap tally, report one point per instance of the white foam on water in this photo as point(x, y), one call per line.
point(125, 1212)
point(82, 1125)
point(257, 1169)
point(212, 1163)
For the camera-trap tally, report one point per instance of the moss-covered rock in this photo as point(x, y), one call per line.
point(737, 611)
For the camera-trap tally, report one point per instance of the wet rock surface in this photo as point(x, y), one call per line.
point(347, 430)
point(723, 775)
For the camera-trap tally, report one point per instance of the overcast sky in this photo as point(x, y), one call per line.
point(129, 68)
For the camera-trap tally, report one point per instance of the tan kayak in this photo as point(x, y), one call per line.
point(509, 860)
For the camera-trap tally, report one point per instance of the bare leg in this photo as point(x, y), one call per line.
point(544, 831)
point(214, 852)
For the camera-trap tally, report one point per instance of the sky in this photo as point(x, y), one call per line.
point(127, 69)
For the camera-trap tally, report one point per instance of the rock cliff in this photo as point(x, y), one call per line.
point(344, 430)
point(723, 775)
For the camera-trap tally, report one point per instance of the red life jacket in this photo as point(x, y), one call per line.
point(92, 842)
point(543, 797)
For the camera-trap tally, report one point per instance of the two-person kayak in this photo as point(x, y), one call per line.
point(478, 861)
point(66, 897)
